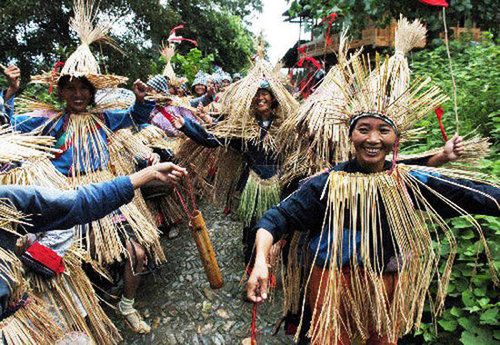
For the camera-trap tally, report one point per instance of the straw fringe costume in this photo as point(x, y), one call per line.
point(373, 258)
point(89, 148)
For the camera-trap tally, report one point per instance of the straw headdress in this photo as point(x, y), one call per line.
point(239, 120)
point(82, 62)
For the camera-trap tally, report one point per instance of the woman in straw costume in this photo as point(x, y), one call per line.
point(69, 297)
point(90, 153)
point(371, 245)
point(246, 160)
point(319, 141)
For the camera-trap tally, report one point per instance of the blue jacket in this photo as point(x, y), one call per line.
point(114, 120)
point(304, 210)
point(53, 209)
point(264, 163)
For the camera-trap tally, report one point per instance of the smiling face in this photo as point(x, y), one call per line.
point(200, 89)
point(373, 139)
point(262, 102)
point(77, 94)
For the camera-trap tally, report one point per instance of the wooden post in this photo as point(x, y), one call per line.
point(207, 253)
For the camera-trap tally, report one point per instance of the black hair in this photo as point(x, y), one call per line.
point(66, 79)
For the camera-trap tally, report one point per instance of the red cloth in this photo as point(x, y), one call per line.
point(317, 292)
point(46, 257)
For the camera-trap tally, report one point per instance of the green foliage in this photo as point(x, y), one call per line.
point(37, 36)
point(356, 13)
point(477, 76)
point(188, 65)
point(471, 315)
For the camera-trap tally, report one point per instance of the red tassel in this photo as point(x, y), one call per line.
point(439, 114)
point(253, 327)
point(441, 3)
point(57, 65)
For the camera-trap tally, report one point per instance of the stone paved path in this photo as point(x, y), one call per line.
point(182, 309)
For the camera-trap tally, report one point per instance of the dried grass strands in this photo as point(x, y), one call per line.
point(74, 303)
point(9, 216)
point(126, 150)
point(30, 324)
point(154, 137)
point(476, 149)
point(319, 138)
point(257, 197)
point(354, 202)
point(294, 279)
point(37, 172)
point(82, 62)
point(17, 147)
point(106, 239)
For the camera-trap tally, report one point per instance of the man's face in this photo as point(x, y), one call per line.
point(373, 139)
point(76, 95)
point(225, 83)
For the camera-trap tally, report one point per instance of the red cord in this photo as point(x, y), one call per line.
point(190, 196)
point(253, 327)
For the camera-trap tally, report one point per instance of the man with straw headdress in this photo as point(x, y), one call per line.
point(246, 159)
point(371, 244)
point(13, 75)
point(82, 133)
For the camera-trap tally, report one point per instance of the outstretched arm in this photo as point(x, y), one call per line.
point(51, 209)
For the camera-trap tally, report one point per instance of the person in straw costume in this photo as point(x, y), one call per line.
point(320, 142)
point(69, 297)
point(82, 134)
point(246, 160)
point(372, 221)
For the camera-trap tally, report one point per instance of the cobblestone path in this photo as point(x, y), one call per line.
point(181, 307)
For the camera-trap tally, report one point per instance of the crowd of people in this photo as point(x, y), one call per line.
point(87, 187)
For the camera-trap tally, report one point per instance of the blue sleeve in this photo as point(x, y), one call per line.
point(27, 123)
point(53, 209)
point(138, 113)
point(196, 132)
point(303, 210)
point(9, 106)
point(205, 100)
point(473, 197)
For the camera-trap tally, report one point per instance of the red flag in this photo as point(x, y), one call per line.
point(439, 114)
point(442, 3)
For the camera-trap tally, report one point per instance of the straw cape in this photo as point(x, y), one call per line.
point(354, 201)
point(239, 124)
point(29, 155)
point(31, 323)
point(239, 118)
point(98, 154)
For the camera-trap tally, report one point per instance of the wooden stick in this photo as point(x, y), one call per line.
point(455, 104)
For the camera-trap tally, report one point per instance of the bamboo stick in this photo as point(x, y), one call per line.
point(207, 253)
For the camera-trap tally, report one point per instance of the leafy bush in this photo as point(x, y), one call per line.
point(472, 307)
point(188, 65)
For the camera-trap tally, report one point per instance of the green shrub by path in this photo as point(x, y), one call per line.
point(471, 316)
